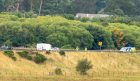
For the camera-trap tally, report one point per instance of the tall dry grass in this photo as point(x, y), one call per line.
point(102, 63)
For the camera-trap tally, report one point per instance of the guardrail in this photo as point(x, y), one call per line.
point(67, 50)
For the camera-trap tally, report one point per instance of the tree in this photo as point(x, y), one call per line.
point(40, 8)
point(83, 66)
point(1, 5)
point(8, 43)
point(129, 7)
point(57, 39)
point(100, 34)
point(84, 6)
point(118, 38)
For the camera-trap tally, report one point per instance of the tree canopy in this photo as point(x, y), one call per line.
point(45, 7)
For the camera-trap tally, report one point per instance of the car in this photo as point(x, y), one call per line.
point(55, 49)
point(128, 49)
point(6, 48)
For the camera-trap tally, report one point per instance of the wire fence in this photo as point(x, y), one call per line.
point(11, 76)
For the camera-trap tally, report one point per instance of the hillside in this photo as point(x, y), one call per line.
point(114, 64)
point(45, 7)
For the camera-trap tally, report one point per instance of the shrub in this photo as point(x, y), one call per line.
point(105, 24)
point(69, 16)
point(14, 58)
point(62, 53)
point(83, 66)
point(29, 57)
point(67, 47)
point(10, 54)
point(84, 19)
point(58, 71)
point(39, 58)
point(23, 54)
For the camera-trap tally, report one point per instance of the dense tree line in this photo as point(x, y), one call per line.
point(114, 32)
point(45, 7)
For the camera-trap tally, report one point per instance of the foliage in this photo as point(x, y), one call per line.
point(83, 66)
point(29, 57)
point(61, 52)
point(57, 39)
point(69, 16)
point(115, 7)
point(84, 19)
point(129, 7)
point(25, 54)
point(118, 37)
point(100, 34)
point(67, 47)
point(126, 34)
point(10, 54)
point(105, 24)
point(59, 32)
point(8, 43)
point(58, 71)
point(39, 58)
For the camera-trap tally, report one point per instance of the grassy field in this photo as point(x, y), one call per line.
point(107, 66)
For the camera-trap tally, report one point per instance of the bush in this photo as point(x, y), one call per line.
point(39, 58)
point(10, 54)
point(83, 66)
point(29, 57)
point(69, 16)
point(23, 54)
point(62, 53)
point(105, 24)
point(58, 71)
point(14, 58)
point(84, 19)
point(67, 47)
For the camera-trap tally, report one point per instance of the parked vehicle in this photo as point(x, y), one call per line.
point(43, 46)
point(128, 49)
point(6, 48)
point(55, 49)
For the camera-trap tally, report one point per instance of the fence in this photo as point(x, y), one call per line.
point(98, 76)
point(69, 50)
point(25, 76)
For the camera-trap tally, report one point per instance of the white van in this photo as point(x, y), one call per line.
point(43, 46)
point(128, 49)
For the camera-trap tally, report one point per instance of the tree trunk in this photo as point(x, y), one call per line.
point(17, 6)
point(31, 5)
point(40, 8)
